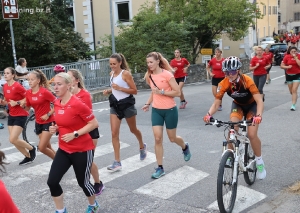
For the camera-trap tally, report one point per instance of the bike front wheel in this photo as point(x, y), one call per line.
point(226, 189)
point(28, 132)
point(249, 157)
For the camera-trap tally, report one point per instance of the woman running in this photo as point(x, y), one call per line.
point(247, 103)
point(74, 120)
point(14, 94)
point(269, 55)
point(259, 64)
point(122, 106)
point(164, 110)
point(180, 66)
point(291, 63)
point(79, 90)
point(39, 98)
point(214, 68)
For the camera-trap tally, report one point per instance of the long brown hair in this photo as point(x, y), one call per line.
point(78, 76)
point(121, 58)
point(2, 157)
point(42, 77)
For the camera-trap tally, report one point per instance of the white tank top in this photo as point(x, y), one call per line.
point(121, 83)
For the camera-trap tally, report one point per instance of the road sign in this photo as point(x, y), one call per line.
point(10, 9)
point(206, 51)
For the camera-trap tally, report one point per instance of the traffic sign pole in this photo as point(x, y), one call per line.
point(13, 42)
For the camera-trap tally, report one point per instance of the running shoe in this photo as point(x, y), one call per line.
point(63, 212)
point(261, 171)
point(187, 154)
point(267, 82)
point(158, 173)
point(99, 187)
point(183, 104)
point(115, 166)
point(1, 126)
point(93, 209)
point(293, 107)
point(25, 161)
point(143, 152)
point(32, 153)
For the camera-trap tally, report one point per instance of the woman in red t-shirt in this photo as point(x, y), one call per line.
point(79, 90)
point(14, 94)
point(6, 202)
point(39, 98)
point(180, 66)
point(291, 62)
point(214, 68)
point(259, 64)
point(74, 120)
point(270, 56)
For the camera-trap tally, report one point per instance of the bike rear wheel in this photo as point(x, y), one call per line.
point(250, 174)
point(226, 190)
point(28, 132)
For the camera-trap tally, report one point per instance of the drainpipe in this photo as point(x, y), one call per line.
point(93, 26)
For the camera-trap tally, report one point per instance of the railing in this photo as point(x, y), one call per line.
point(95, 73)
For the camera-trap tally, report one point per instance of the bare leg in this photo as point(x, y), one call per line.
point(134, 130)
point(45, 143)
point(159, 150)
point(115, 132)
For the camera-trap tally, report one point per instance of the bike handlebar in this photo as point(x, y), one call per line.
point(221, 123)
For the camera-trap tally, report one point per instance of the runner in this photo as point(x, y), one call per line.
point(122, 106)
point(269, 55)
point(214, 68)
point(164, 110)
point(39, 98)
point(180, 66)
point(259, 65)
point(247, 103)
point(57, 69)
point(79, 90)
point(74, 120)
point(14, 94)
point(291, 63)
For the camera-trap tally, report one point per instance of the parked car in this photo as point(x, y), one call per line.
point(278, 49)
point(267, 40)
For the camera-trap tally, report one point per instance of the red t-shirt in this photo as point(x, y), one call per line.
point(7, 205)
point(15, 92)
point(180, 64)
point(269, 55)
point(40, 102)
point(289, 60)
point(260, 70)
point(71, 117)
point(85, 97)
point(217, 68)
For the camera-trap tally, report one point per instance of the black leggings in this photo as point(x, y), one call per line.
point(81, 162)
point(260, 81)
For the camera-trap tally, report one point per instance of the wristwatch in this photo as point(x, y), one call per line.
point(76, 134)
point(162, 91)
point(18, 103)
point(48, 114)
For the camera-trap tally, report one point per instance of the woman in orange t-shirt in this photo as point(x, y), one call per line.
point(164, 110)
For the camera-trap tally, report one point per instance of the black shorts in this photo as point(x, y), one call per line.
point(16, 121)
point(182, 79)
point(241, 111)
point(94, 134)
point(39, 128)
point(268, 70)
point(128, 113)
point(293, 78)
point(216, 81)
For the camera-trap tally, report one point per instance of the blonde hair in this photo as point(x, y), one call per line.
point(65, 76)
point(78, 76)
point(42, 77)
point(219, 49)
point(254, 48)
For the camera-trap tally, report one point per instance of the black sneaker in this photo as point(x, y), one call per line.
point(99, 187)
point(25, 161)
point(32, 153)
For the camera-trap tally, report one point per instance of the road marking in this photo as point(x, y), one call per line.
point(16, 178)
point(174, 182)
point(100, 110)
point(245, 198)
point(11, 147)
point(278, 77)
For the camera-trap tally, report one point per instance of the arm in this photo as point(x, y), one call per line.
point(214, 107)
point(260, 104)
point(254, 67)
point(148, 102)
point(187, 66)
point(127, 77)
point(284, 66)
point(297, 59)
point(175, 92)
point(209, 70)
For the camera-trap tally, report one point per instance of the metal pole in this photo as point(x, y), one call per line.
point(112, 28)
point(13, 42)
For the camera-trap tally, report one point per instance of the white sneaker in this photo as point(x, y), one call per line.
point(261, 171)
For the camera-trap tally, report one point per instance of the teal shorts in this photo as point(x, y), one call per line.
point(168, 116)
point(292, 78)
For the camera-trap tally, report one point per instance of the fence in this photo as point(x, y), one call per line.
point(95, 73)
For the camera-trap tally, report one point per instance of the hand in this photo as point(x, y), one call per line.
point(115, 86)
point(290, 66)
point(145, 108)
point(175, 69)
point(13, 103)
point(23, 103)
point(155, 90)
point(211, 74)
point(106, 92)
point(266, 67)
point(206, 118)
point(257, 64)
point(45, 117)
point(185, 69)
point(256, 119)
point(53, 128)
point(68, 137)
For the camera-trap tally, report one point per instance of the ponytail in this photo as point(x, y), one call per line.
point(43, 79)
point(121, 59)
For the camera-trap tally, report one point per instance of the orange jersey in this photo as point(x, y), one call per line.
point(242, 93)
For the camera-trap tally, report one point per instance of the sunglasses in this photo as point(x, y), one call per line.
point(231, 72)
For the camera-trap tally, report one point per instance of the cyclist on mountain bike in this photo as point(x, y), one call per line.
point(57, 69)
point(247, 103)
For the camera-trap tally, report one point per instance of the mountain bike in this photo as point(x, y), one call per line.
point(241, 160)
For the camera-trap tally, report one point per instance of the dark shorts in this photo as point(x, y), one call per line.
point(128, 113)
point(94, 134)
point(16, 121)
point(241, 111)
point(268, 70)
point(292, 78)
point(168, 116)
point(39, 128)
point(216, 81)
point(182, 79)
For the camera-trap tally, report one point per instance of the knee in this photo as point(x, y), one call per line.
point(294, 91)
point(252, 136)
point(42, 148)
point(13, 140)
point(134, 130)
point(115, 134)
point(158, 140)
point(172, 139)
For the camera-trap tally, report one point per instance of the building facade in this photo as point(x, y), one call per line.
point(289, 16)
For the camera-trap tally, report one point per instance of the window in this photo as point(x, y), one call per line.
point(270, 10)
point(279, 17)
point(264, 10)
point(297, 1)
point(297, 16)
point(123, 11)
point(274, 10)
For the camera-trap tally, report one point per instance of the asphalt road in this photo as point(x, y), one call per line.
point(187, 186)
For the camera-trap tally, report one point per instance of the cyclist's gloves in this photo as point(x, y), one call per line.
point(256, 119)
point(206, 118)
